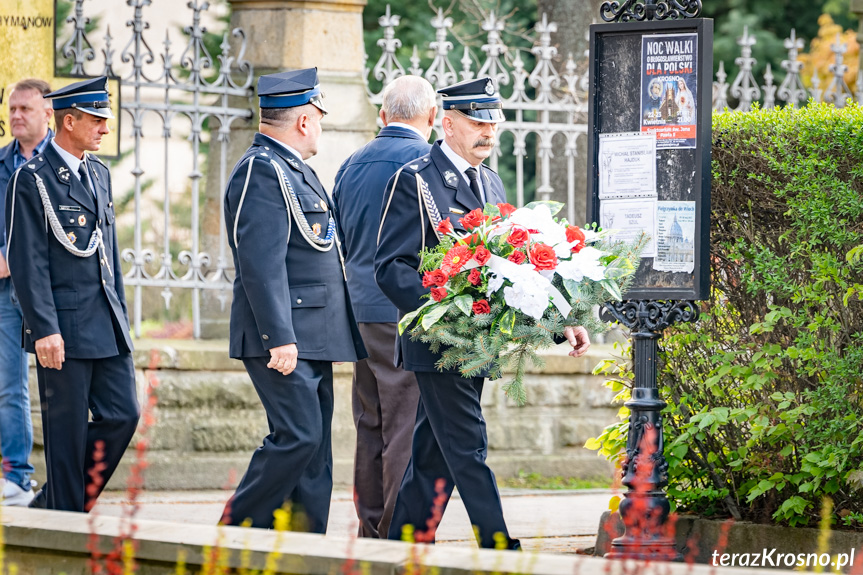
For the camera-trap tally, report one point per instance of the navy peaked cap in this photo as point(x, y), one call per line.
point(478, 99)
point(90, 96)
point(290, 89)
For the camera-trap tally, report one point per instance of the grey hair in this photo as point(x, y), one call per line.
point(408, 98)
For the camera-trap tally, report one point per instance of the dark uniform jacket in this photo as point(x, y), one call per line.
point(82, 299)
point(7, 168)
point(285, 290)
point(401, 236)
point(358, 194)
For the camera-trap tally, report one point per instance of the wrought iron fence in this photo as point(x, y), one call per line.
point(791, 90)
point(169, 96)
point(545, 101)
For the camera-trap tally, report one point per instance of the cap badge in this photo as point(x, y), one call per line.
point(450, 177)
point(72, 237)
point(489, 88)
point(82, 220)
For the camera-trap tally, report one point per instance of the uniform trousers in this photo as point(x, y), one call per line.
point(449, 449)
point(16, 427)
point(82, 455)
point(294, 465)
point(384, 401)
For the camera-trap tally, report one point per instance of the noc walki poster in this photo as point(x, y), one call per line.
point(668, 86)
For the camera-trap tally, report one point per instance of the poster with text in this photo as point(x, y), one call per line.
point(627, 165)
point(675, 237)
point(628, 220)
point(668, 85)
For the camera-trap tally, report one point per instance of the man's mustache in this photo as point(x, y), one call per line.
point(484, 142)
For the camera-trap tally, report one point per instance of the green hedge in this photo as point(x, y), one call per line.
point(765, 393)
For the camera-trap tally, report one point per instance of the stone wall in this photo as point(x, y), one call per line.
point(209, 418)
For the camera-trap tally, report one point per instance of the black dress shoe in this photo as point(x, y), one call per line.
point(40, 501)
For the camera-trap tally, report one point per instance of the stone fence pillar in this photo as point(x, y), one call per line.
point(285, 35)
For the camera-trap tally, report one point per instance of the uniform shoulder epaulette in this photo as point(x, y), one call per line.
point(34, 165)
point(417, 165)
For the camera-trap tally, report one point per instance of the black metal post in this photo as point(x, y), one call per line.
point(645, 509)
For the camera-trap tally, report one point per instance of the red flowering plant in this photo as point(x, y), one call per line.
point(510, 286)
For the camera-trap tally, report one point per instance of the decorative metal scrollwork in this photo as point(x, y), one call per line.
point(614, 11)
point(649, 315)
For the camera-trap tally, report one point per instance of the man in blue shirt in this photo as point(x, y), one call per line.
point(29, 114)
point(384, 396)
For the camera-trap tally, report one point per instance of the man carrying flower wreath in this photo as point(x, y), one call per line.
point(427, 198)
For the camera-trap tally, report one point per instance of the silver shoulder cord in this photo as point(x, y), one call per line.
point(292, 204)
point(51, 219)
point(424, 199)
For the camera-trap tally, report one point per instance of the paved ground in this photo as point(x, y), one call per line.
point(548, 521)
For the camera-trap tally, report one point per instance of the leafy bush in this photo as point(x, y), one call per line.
point(765, 393)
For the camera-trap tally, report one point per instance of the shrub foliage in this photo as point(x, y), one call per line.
point(765, 393)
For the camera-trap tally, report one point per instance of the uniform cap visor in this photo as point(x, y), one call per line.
point(318, 103)
point(490, 115)
point(99, 113)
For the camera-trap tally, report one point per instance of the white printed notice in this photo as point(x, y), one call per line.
point(627, 165)
point(675, 237)
point(628, 219)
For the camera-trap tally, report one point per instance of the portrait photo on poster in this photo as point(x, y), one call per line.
point(668, 83)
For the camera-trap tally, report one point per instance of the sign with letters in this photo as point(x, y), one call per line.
point(27, 37)
point(649, 149)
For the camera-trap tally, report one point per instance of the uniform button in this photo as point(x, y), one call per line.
point(299, 300)
point(100, 222)
point(103, 282)
point(265, 337)
point(29, 332)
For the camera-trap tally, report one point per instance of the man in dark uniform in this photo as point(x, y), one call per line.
point(65, 264)
point(384, 396)
point(449, 442)
point(291, 317)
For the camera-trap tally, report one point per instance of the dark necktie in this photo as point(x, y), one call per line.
point(85, 177)
point(473, 176)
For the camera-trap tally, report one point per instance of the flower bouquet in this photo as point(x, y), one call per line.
point(508, 287)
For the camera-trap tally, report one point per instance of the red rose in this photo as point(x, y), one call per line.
point(506, 209)
point(517, 237)
point(473, 219)
point(574, 233)
point(481, 306)
point(435, 278)
point(481, 255)
point(445, 227)
point(474, 276)
point(438, 293)
point(543, 257)
point(455, 259)
point(517, 257)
